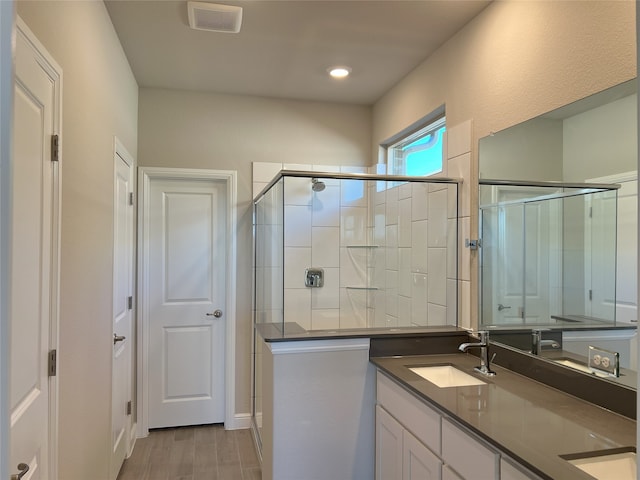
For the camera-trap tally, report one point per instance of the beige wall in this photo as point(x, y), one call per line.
point(514, 61)
point(100, 98)
point(228, 132)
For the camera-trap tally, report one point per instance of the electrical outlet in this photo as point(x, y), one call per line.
point(604, 360)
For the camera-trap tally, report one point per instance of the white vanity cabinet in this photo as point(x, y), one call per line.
point(399, 454)
point(407, 435)
point(414, 441)
point(468, 456)
point(511, 471)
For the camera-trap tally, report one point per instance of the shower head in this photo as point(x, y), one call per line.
point(317, 185)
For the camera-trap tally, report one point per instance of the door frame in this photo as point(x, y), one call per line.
point(6, 120)
point(145, 176)
point(120, 152)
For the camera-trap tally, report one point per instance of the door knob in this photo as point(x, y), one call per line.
point(118, 338)
point(503, 307)
point(217, 314)
point(23, 469)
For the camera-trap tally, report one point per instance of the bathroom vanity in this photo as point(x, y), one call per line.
point(510, 427)
point(350, 406)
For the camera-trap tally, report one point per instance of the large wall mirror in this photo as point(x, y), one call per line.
point(558, 230)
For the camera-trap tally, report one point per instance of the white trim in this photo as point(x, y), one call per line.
point(145, 175)
point(598, 336)
point(120, 152)
point(54, 71)
point(317, 346)
point(241, 421)
point(616, 178)
point(6, 116)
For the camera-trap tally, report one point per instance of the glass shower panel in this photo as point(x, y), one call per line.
point(548, 254)
point(349, 251)
point(542, 267)
point(268, 282)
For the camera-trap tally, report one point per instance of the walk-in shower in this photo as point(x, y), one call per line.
point(370, 252)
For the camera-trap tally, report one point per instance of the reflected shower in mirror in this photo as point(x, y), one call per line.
point(558, 239)
point(548, 254)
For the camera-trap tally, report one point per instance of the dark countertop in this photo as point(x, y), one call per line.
point(529, 421)
point(291, 331)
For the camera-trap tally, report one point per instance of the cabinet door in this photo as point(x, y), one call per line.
point(418, 463)
point(388, 446)
point(470, 457)
point(508, 471)
point(448, 474)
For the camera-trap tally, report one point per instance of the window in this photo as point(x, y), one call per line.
point(419, 154)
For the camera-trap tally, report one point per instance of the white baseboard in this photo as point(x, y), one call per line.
point(240, 421)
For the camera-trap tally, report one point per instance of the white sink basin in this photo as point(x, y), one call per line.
point(446, 376)
point(621, 466)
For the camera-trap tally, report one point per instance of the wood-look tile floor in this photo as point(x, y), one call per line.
point(206, 452)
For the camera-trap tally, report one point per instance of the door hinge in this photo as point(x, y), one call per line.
point(590, 294)
point(590, 212)
point(52, 363)
point(130, 303)
point(129, 407)
point(131, 198)
point(55, 148)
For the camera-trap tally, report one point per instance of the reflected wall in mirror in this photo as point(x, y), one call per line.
point(556, 253)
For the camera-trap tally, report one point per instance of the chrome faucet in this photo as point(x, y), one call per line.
point(537, 342)
point(483, 345)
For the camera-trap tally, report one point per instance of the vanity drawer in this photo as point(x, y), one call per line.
point(466, 455)
point(412, 413)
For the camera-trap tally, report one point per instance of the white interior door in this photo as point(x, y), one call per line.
point(186, 277)
point(34, 257)
point(606, 295)
point(122, 309)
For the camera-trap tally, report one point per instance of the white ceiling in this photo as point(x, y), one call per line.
point(284, 47)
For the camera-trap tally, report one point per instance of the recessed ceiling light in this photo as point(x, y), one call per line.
point(339, 72)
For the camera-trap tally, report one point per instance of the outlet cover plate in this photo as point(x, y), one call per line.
point(604, 360)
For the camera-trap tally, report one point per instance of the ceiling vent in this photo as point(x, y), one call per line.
point(214, 17)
